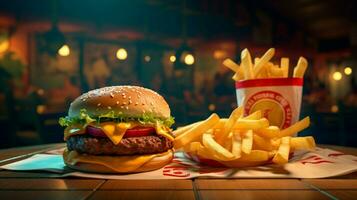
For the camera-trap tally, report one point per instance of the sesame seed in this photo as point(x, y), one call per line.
point(109, 107)
point(112, 95)
point(130, 101)
point(117, 103)
point(123, 103)
point(151, 103)
point(121, 106)
point(127, 107)
point(136, 103)
point(99, 104)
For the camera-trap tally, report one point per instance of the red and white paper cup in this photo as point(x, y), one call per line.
point(278, 98)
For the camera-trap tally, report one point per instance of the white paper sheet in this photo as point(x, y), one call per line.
point(321, 163)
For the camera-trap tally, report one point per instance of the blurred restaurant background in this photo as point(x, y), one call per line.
point(51, 51)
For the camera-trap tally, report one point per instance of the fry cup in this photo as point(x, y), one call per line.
point(279, 99)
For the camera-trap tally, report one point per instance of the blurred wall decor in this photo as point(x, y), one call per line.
point(52, 51)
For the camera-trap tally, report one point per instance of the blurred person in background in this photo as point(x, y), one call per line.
point(98, 72)
point(351, 98)
point(224, 90)
point(67, 93)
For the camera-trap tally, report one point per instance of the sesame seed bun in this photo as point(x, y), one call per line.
point(133, 101)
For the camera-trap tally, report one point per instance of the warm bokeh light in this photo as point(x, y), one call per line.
point(211, 107)
point(147, 58)
point(219, 54)
point(337, 76)
point(172, 58)
point(189, 59)
point(4, 46)
point(334, 108)
point(122, 54)
point(348, 70)
point(64, 50)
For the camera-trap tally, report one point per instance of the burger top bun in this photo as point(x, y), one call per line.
point(133, 101)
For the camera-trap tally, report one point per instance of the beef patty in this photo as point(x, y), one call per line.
point(127, 146)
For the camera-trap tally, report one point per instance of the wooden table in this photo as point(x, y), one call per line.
point(40, 185)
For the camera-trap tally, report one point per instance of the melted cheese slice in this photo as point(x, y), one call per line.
point(115, 131)
point(117, 163)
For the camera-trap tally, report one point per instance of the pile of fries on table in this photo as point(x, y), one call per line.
point(242, 141)
point(247, 141)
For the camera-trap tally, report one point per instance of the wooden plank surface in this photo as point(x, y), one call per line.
point(144, 194)
point(343, 194)
point(242, 184)
point(260, 194)
point(147, 184)
point(45, 195)
point(50, 184)
point(333, 183)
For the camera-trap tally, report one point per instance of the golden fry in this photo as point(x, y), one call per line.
point(235, 115)
point(300, 68)
point(282, 155)
point(251, 124)
point(263, 60)
point(196, 131)
point(303, 143)
point(247, 65)
point(213, 146)
point(247, 142)
point(255, 115)
point(295, 128)
point(236, 144)
point(183, 129)
point(284, 65)
point(262, 143)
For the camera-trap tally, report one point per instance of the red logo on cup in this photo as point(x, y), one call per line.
point(273, 105)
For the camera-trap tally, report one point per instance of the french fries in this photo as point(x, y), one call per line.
point(242, 141)
point(282, 156)
point(247, 64)
point(255, 115)
point(284, 65)
point(269, 132)
point(237, 113)
point(302, 143)
point(263, 67)
point(247, 142)
point(236, 144)
point(263, 60)
point(300, 68)
point(181, 130)
point(251, 124)
point(299, 126)
point(196, 131)
point(235, 67)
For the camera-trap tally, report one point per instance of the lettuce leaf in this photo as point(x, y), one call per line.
point(85, 119)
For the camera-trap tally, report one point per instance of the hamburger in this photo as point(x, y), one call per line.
point(118, 129)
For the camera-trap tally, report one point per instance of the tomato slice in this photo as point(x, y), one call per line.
point(139, 132)
point(134, 132)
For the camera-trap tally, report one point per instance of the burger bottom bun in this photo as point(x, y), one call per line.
point(157, 162)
